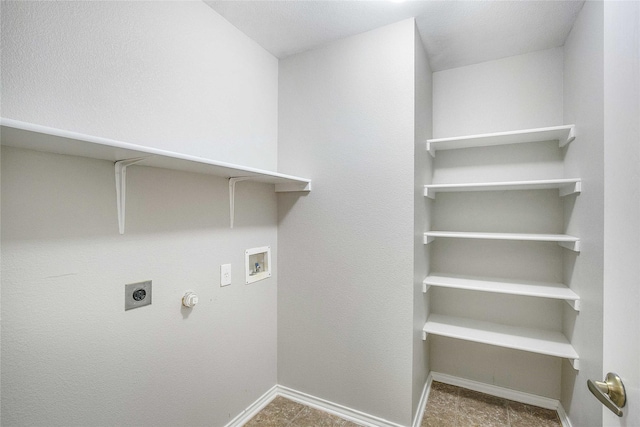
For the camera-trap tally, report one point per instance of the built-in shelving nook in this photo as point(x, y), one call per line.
point(41, 138)
point(541, 341)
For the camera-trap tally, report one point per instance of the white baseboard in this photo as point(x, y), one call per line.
point(417, 419)
point(254, 408)
point(505, 393)
point(368, 420)
point(335, 409)
point(564, 418)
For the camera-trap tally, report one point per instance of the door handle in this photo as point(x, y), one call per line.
point(610, 392)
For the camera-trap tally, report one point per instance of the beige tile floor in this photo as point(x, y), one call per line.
point(282, 412)
point(448, 406)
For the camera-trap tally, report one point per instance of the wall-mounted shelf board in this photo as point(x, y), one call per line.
point(539, 341)
point(564, 186)
point(41, 138)
point(512, 287)
point(569, 242)
point(563, 134)
point(14, 133)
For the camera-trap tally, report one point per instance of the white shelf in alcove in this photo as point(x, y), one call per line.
point(30, 136)
point(564, 186)
point(563, 134)
point(569, 242)
point(513, 287)
point(539, 341)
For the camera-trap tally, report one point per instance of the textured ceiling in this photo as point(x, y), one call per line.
point(455, 33)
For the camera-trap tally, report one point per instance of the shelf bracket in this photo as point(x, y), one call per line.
point(574, 303)
point(424, 336)
point(121, 187)
point(575, 363)
point(571, 135)
point(232, 196)
point(574, 246)
point(431, 149)
point(428, 239)
point(429, 193)
point(573, 188)
point(425, 288)
point(292, 187)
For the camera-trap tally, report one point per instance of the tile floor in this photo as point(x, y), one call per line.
point(283, 412)
point(448, 406)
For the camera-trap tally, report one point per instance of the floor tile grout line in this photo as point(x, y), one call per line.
point(295, 416)
point(458, 402)
point(505, 404)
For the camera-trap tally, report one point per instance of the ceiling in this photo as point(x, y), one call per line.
point(455, 33)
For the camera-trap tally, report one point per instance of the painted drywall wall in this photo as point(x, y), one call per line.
point(513, 93)
point(490, 96)
point(71, 355)
point(622, 202)
point(345, 290)
point(423, 172)
point(584, 106)
point(172, 75)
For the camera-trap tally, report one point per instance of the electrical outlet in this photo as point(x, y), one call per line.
point(225, 274)
point(137, 295)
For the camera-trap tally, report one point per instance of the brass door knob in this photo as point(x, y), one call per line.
point(610, 392)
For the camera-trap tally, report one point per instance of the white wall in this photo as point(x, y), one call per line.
point(519, 92)
point(345, 293)
point(622, 202)
point(584, 106)
point(513, 93)
point(423, 170)
point(171, 75)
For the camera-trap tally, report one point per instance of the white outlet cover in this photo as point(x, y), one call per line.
point(225, 274)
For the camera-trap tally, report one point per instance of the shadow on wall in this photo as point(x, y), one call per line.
point(499, 163)
point(48, 196)
point(286, 202)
